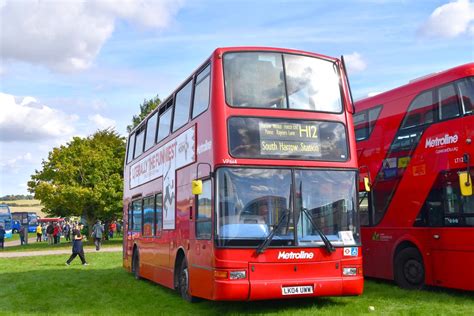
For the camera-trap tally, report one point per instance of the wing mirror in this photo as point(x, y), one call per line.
point(196, 187)
point(367, 184)
point(465, 183)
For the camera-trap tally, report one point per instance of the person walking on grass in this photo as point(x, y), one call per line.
point(22, 235)
point(97, 233)
point(2, 236)
point(39, 233)
point(77, 249)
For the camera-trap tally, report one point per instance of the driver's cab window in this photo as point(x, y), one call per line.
point(445, 206)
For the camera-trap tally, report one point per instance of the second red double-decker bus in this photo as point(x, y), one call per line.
point(242, 185)
point(415, 143)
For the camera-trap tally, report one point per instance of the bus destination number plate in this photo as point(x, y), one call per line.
point(297, 290)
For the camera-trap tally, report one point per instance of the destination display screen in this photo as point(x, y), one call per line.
point(251, 137)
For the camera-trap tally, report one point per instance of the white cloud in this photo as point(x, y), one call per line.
point(25, 119)
point(12, 164)
point(450, 20)
point(102, 122)
point(67, 35)
point(355, 62)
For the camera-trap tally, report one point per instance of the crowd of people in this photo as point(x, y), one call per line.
point(52, 232)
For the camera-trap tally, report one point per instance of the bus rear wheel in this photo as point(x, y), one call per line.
point(183, 282)
point(136, 265)
point(409, 269)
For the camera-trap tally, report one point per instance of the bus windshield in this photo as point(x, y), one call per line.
point(273, 80)
point(251, 202)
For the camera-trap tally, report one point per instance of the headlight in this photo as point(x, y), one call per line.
point(349, 271)
point(236, 275)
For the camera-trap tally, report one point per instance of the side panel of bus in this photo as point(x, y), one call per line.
point(424, 207)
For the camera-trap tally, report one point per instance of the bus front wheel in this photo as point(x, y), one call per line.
point(409, 269)
point(184, 283)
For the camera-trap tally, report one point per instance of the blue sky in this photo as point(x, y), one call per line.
point(71, 67)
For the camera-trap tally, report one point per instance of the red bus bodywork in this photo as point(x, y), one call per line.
point(209, 265)
point(416, 226)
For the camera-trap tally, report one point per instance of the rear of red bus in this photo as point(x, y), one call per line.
point(285, 210)
point(413, 143)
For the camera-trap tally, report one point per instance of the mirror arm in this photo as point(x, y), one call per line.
point(467, 160)
point(211, 174)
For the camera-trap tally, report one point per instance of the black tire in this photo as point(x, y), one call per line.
point(409, 271)
point(183, 282)
point(136, 265)
point(15, 231)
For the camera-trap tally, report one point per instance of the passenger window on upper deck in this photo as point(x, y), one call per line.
point(364, 122)
point(164, 124)
point(201, 91)
point(139, 139)
point(361, 126)
point(151, 131)
point(131, 147)
point(448, 102)
point(420, 112)
point(183, 102)
point(466, 91)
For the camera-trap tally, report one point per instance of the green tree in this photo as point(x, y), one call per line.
point(145, 108)
point(83, 178)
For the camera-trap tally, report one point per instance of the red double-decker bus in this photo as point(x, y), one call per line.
point(242, 185)
point(415, 146)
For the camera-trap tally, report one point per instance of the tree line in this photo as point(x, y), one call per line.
point(15, 197)
point(84, 177)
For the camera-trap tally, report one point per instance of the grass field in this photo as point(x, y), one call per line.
point(44, 285)
point(17, 237)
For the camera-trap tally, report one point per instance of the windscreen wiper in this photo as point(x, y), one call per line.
point(329, 247)
point(264, 245)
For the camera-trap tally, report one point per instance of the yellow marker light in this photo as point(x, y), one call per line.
point(219, 274)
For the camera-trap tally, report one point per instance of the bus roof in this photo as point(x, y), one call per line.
point(418, 84)
point(221, 50)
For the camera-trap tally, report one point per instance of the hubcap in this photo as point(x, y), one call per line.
point(413, 271)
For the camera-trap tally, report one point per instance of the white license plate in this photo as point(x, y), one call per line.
point(297, 290)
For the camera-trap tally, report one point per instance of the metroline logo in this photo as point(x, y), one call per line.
point(295, 255)
point(440, 141)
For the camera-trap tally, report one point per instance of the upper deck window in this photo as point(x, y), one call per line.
point(272, 80)
point(466, 89)
point(131, 146)
point(164, 124)
point(183, 102)
point(201, 91)
point(140, 138)
point(364, 122)
point(151, 131)
point(448, 102)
